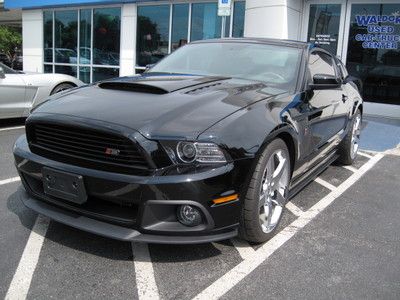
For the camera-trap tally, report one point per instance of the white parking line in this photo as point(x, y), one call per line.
point(243, 247)
point(297, 211)
point(9, 180)
point(145, 280)
point(11, 128)
point(21, 281)
point(325, 183)
point(235, 275)
point(350, 168)
point(364, 154)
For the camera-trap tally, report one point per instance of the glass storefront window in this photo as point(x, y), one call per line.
point(65, 36)
point(153, 41)
point(180, 19)
point(106, 36)
point(48, 69)
point(205, 22)
point(104, 73)
point(373, 52)
point(74, 54)
point(69, 70)
point(152, 34)
point(48, 36)
point(238, 19)
point(323, 26)
point(85, 34)
point(84, 74)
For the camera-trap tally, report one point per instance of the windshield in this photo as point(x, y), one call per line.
point(275, 65)
point(7, 70)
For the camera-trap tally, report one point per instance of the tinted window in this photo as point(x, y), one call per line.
point(106, 36)
point(85, 36)
point(180, 19)
point(238, 19)
point(48, 36)
point(323, 26)
point(321, 63)
point(104, 73)
point(273, 64)
point(205, 22)
point(374, 56)
point(152, 34)
point(65, 36)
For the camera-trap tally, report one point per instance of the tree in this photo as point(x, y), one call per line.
point(10, 42)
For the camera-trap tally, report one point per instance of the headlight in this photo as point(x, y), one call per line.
point(189, 152)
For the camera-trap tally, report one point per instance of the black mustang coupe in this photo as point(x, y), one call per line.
point(209, 143)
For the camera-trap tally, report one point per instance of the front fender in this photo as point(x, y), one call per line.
point(244, 133)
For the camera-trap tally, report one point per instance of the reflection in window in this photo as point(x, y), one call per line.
point(180, 19)
point(85, 36)
point(65, 36)
point(106, 36)
point(323, 26)
point(205, 22)
point(238, 19)
point(152, 34)
point(48, 36)
point(376, 63)
point(104, 73)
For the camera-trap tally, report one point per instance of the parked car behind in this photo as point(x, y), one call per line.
point(20, 91)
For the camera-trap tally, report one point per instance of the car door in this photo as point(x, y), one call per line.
point(326, 110)
point(12, 95)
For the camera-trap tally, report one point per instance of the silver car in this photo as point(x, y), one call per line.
point(19, 91)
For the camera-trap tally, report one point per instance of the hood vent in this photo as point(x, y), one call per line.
point(132, 87)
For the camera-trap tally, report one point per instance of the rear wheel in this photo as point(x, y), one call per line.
point(266, 193)
point(348, 148)
point(61, 87)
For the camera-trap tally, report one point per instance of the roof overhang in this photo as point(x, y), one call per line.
point(35, 4)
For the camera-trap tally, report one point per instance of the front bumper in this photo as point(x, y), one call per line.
point(138, 208)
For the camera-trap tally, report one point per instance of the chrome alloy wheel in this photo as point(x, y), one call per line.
point(273, 190)
point(355, 136)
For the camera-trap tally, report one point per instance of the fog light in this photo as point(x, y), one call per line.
point(189, 215)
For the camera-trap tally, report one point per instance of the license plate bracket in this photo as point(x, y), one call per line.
point(64, 185)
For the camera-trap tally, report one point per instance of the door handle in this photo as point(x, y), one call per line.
point(344, 98)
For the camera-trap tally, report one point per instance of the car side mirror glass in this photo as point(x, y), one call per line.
point(2, 73)
point(324, 82)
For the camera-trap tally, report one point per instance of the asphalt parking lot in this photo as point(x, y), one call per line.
point(339, 239)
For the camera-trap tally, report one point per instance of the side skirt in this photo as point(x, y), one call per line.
point(312, 174)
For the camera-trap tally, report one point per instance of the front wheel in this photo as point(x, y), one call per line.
point(348, 148)
point(266, 193)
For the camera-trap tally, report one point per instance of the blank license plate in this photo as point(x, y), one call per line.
point(64, 185)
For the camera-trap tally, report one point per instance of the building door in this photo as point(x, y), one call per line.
point(324, 24)
point(372, 48)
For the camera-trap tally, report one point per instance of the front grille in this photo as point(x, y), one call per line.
point(87, 148)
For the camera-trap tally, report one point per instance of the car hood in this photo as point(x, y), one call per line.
point(160, 106)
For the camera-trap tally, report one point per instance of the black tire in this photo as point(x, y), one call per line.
point(250, 226)
point(346, 153)
point(62, 87)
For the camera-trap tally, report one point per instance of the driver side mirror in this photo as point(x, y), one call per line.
point(2, 73)
point(324, 82)
point(148, 67)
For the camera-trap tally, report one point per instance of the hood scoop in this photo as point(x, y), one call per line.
point(132, 87)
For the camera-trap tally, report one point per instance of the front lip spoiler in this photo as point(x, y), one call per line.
point(114, 231)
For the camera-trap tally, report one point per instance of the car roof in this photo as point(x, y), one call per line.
point(290, 43)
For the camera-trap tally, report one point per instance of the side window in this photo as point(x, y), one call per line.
point(321, 63)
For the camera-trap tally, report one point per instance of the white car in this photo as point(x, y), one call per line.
point(19, 91)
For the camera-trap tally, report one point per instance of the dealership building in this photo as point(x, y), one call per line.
point(98, 39)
